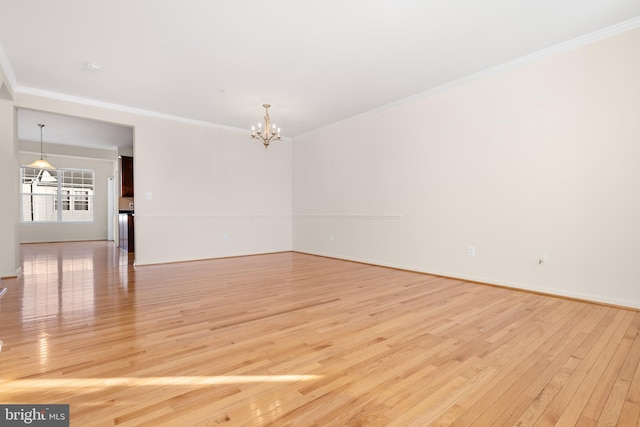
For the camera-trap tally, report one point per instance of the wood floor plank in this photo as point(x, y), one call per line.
point(568, 405)
point(513, 367)
point(629, 415)
point(290, 339)
point(613, 411)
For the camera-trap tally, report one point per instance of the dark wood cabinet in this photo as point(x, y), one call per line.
point(125, 217)
point(126, 176)
point(125, 226)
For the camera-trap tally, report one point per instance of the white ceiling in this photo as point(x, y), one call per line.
point(74, 131)
point(316, 62)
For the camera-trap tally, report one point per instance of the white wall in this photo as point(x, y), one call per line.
point(9, 249)
point(103, 168)
point(541, 157)
point(206, 181)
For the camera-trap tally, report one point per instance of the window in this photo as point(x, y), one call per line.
point(81, 200)
point(66, 200)
point(61, 195)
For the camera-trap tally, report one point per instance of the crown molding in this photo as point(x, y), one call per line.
point(120, 108)
point(595, 36)
point(125, 109)
point(587, 39)
point(7, 71)
point(13, 88)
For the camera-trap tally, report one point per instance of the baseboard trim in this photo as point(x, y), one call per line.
point(17, 274)
point(477, 281)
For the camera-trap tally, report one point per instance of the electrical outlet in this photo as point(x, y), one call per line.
point(331, 237)
point(471, 251)
point(542, 257)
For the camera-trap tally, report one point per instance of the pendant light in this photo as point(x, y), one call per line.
point(41, 163)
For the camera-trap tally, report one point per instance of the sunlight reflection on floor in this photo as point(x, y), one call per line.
point(149, 381)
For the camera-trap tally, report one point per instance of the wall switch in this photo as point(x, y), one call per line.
point(225, 238)
point(471, 251)
point(148, 196)
point(331, 237)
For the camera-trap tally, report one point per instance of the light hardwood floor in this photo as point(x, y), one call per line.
point(292, 339)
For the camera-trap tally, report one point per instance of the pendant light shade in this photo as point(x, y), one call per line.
point(41, 163)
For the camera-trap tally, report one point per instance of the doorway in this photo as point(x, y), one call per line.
point(74, 142)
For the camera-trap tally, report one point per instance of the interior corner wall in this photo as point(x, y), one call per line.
point(539, 158)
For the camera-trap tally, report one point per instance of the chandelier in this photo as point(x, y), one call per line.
point(41, 163)
point(269, 132)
